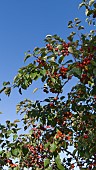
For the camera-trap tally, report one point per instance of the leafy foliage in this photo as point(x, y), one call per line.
point(54, 124)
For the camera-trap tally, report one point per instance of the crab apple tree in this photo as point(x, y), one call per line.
point(54, 124)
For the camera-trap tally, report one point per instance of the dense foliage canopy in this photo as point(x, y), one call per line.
point(56, 122)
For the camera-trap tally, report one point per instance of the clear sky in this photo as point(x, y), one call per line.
point(23, 26)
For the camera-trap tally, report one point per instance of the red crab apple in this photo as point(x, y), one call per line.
point(56, 49)
point(85, 136)
point(51, 104)
point(49, 46)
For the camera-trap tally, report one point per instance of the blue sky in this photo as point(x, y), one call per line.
point(23, 26)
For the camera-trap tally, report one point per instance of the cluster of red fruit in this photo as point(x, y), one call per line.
point(37, 156)
point(84, 78)
point(92, 165)
point(61, 136)
point(65, 51)
point(49, 47)
point(85, 136)
point(41, 62)
point(88, 49)
point(63, 71)
point(36, 133)
point(51, 104)
point(67, 115)
point(62, 51)
point(36, 149)
point(86, 61)
point(10, 163)
point(55, 87)
point(84, 66)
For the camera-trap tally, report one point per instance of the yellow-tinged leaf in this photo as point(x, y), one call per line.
point(91, 2)
point(35, 90)
point(16, 121)
point(90, 83)
point(70, 50)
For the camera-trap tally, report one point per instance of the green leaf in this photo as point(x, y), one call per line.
point(70, 26)
point(64, 145)
point(53, 147)
point(43, 78)
point(37, 76)
point(74, 152)
point(8, 133)
point(16, 168)
point(36, 48)
point(15, 152)
point(94, 90)
point(47, 145)
point(36, 51)
point(2, 162)
point(59, 164)
point(53, 80)
point(61, 58)
point(15, 137)
point(20, 91)
point(6, 83)
point(49, 168)
point(70, 49)
point(82, 4)
point(7, 91)
point(47, 100)
point(94, 71)
point(80, 27)
point(33, 75)
point(70, 38)
point(1, 141)
point(62, 97)
point(25, 150)
point(69, 61)
point(73, 33)
point(78, 22)
point(76, 71)
point(46, 162)
point(70, 22)
point(88, 12)
point(43, 72)
point(27, 56)
point(2, 89)
point(76, 19)
point(93, 63)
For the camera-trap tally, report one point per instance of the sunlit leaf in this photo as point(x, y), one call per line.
point(70, 49)
point(35, 90)
point(53, 147)
point(6, 83)
point(58, 162)
point(46, 162)
point(15, 152)
point(27, 56)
